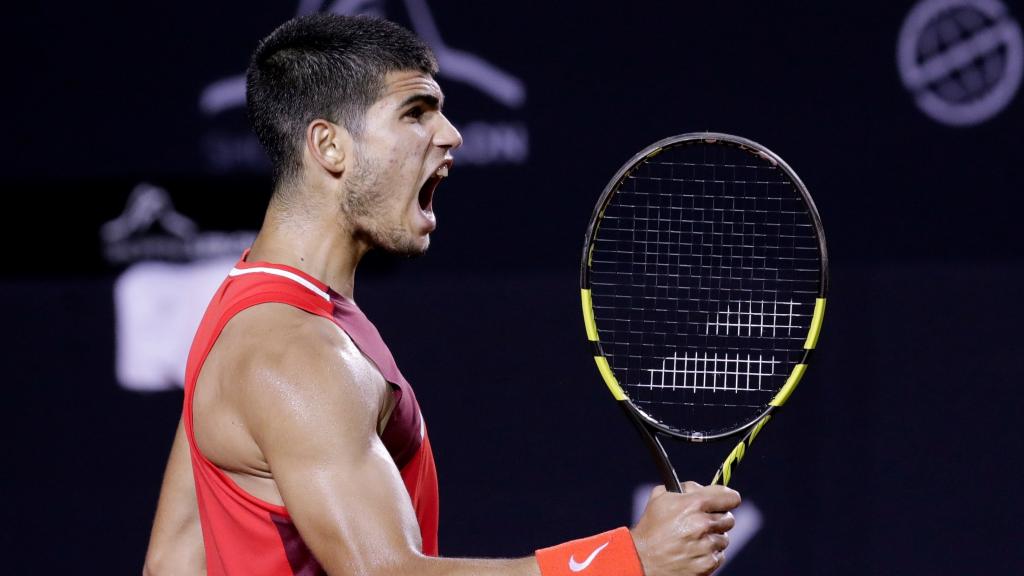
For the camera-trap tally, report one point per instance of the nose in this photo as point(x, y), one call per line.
point(447, 136)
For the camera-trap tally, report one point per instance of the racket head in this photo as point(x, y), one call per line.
point(704, 275)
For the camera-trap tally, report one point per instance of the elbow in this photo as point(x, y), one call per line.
point(154, 567)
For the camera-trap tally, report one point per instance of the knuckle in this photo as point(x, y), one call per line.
point(696, 501)
point(696, 521)
point(719, 559)
point(719, 542)
point(707, 563)
point(715, 543)
point(729, 519)
point(690, 528)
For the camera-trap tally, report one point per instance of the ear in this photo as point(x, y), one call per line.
point(327, 143)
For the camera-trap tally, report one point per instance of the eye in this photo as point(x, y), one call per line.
point(416, 112)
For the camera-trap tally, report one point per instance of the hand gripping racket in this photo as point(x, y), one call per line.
point(703, 277)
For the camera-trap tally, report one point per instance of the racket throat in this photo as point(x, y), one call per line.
point(668, 474)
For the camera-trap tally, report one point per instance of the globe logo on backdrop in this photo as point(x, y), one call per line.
point(960, 59)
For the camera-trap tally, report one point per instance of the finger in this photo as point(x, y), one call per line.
point(721, 522)
point(709, 563)
point(717, 542)
point(658, 491)
point(719, 499)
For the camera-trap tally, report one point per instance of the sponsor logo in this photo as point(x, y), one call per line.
point(151, 229)
point(157, 309)
point(578, 566)
point(173, 269)
point(497, 139)
point(962, 60)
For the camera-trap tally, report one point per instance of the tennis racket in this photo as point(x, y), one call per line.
point(703, 277)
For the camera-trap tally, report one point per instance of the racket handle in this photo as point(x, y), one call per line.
point(668, 474)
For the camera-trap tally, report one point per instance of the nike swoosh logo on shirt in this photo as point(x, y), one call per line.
point(578, 567)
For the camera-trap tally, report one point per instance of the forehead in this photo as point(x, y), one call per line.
point(401, 85)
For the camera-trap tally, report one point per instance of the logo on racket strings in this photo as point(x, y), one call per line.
point(731, 372)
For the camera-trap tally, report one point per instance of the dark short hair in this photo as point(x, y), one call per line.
point(323, 66)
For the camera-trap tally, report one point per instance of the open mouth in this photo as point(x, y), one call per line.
point(427, 193)
point(426, 196)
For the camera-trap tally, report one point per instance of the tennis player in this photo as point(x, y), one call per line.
point(301, 448)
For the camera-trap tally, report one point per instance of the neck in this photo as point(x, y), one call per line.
point(315, 240)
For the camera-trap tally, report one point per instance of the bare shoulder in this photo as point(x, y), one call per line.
point(293, 365)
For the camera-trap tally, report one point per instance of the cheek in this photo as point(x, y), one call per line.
point(395, 155)
point(400, 162)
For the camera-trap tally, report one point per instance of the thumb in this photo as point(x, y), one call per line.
point(658, 491)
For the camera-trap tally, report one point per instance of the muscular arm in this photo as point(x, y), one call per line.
point(314, 417)
point(176, 543)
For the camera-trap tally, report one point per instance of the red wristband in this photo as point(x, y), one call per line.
point(609, 554)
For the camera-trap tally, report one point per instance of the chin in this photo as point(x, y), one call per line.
point(399, 241)
point(409, 248)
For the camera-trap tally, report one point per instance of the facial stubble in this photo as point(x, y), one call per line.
point(365, 204)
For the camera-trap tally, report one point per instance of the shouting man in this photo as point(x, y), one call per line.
point(301, 448)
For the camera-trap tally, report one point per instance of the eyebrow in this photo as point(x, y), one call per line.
point(428, 99)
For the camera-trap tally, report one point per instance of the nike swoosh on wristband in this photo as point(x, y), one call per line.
point(578, 567)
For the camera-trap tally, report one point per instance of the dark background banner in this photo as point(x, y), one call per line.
point(133, 182)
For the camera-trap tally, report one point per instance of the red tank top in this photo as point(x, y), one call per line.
point(244, 535)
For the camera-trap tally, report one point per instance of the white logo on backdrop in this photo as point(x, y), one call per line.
point(962, 60)
point(151, 229)
point(486, 142)
point(748, 521)
point(157, 308)
point(158, 305)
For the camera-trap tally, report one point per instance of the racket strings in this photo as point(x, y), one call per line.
point(704, 272)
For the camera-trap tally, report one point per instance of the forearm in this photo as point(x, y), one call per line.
point(611, 553)
point(430, 566)
point(403, 561)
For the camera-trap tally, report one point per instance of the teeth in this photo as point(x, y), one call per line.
point(443, 171)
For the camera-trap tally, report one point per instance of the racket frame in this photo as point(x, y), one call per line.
point(649, 428)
